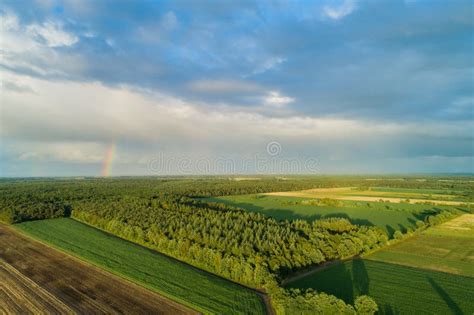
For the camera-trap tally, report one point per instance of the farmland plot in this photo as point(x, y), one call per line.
point(184, 284)
point(38, 279)
point(428, 273)
point(20, 295)
point(447, 247)
point(397, 289)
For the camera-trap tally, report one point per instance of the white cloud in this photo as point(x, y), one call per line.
point(337, 12)
point(31, 48)
point(276, 99)
point(89, 34)
point(8, 21)
point(170, 21)
point(264, 99)
point(110, 42)
point(28, 155)
point(269, 64)
point(79, 152)
point(53, 34)
point(156, 32)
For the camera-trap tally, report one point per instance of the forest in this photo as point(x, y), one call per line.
point(252, 249)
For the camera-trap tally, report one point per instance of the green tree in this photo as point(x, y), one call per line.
point(365, 305)
point(398, 235)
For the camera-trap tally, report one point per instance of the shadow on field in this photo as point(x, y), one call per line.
point(412, 222)
point(286, 214)
point(419, 214)
point(402, 228)
point(361, 277)
point(387, 309)
point(390, 230)
point(339, 283)
point(346, 280)
point(445, 296)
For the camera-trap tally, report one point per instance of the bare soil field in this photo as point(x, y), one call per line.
point(347, 193)
point(37, 277)
point(18, 294)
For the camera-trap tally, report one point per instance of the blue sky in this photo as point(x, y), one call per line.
point(359, 86)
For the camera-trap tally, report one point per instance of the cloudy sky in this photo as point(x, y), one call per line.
point(162, 87)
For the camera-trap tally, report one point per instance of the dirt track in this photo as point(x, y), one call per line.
point(38, 279)
point(345, 193)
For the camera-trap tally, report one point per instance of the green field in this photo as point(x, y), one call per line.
point(199, 290)
point(447, 247)
point(396, 289)
point(388, 216)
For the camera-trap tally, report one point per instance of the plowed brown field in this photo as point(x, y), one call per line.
point(38, 279)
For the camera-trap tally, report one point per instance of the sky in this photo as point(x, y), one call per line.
point(111, 88)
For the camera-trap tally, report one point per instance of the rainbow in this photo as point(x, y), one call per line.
point(109, 156)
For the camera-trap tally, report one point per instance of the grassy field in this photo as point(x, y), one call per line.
point(396, 289)
point(199, 290)
point(388, 216)
point(447, 247)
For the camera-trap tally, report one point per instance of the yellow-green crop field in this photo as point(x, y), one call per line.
point(429, 273)
point(448, 247)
